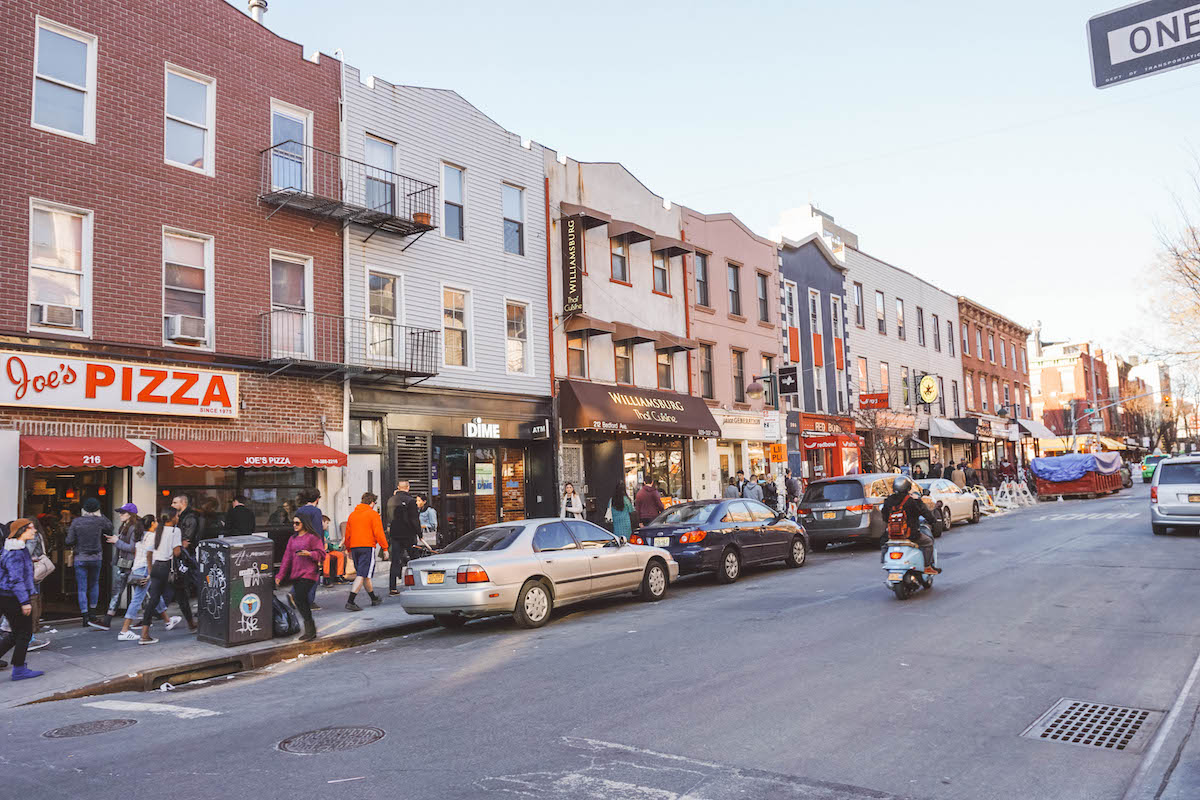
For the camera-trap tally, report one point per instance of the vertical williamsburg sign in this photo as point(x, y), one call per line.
point(1143, 39)
point(572, 261)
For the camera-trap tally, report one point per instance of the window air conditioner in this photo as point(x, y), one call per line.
point(56, 316)
point(181, 328)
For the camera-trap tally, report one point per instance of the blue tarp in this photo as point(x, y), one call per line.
point(1074, 466)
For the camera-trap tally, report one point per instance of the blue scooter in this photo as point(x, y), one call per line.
point(905, 566)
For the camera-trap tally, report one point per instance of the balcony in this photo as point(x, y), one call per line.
point(329, 344)
point(329, 186)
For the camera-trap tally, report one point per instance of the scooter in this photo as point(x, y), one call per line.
point(905, 566)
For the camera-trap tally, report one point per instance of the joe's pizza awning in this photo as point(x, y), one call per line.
point(625, 409)
point(230, 455)
point(64, 452)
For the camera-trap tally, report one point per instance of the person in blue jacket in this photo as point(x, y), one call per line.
point(16, 594)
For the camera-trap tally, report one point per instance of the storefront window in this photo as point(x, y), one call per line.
point(270, 493)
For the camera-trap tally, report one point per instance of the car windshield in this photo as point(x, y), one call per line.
point(686, 514)
point(1154, 459)
point(1187, 472)
point(496, 537)
point(833, 492)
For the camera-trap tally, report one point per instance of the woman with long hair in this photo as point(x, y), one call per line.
point(16, 595)
point(167, 545)
point(304, 553)
point(572, 503)
point(139, 578)
point(618, 511)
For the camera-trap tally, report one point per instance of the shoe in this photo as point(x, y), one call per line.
point(151, 640)
point(105, 622)
point(37, 644)
point(86, 621)
point(173, 621)
point(310, 633)
point(314, 607)
point(353, 607)
point(127, 636)
point(23, 672)
point(932, 571)
point(3, 664)
point(376, 601)
point(393, 592)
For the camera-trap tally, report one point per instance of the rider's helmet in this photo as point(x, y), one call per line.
point(901, 485)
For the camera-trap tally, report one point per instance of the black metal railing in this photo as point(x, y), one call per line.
point(295, 336)
point(325, 184)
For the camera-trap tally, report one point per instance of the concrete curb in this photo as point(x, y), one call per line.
point(232, 661)
point(1156, 776)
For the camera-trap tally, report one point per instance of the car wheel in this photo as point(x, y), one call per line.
point(449, 620)
point(731, 566)
point(1159, 530)
point(654, 582)
point(797, 554)
point(818, 547)
point(974, 513)
point(948, 520)
point(534, 605)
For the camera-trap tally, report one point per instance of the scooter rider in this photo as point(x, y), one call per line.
point(902, 501)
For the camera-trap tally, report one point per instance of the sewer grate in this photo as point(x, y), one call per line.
point(1086, 724)
point(89, 728)
point(330, 740)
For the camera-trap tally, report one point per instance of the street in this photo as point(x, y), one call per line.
point(808, 683)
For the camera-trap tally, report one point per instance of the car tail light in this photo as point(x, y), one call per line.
point(635, 539)
point(803, 510)
point(472, 573)
point(691, 537)
point(409, 580)
point(896, 555)
point(1153, 494)
point(859, 509)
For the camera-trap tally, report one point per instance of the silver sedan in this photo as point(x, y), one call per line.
point(528, 568)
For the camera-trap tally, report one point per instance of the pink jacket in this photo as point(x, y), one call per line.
point(296, 566)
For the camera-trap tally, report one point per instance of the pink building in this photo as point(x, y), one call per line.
point(733, 299)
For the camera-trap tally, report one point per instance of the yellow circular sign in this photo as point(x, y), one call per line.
point(929, 389)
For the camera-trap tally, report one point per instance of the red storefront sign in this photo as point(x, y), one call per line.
point(873, 400)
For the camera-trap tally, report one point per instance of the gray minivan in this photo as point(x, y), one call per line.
point(1175, 495)
point(844, 509)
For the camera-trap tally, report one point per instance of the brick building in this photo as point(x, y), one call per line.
point(1066, 378)
point(171, 327)
point(996, 379)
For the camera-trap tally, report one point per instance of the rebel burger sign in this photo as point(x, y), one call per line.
point(39, 381)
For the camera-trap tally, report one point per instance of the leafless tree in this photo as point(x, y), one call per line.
point(887, 438)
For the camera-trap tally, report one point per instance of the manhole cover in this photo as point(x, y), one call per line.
point(1096, 725)
point(89, 728)
point(330, 740)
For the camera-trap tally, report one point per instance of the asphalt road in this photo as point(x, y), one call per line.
point(808, 683)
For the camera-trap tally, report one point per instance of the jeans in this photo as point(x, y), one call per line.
point(22, 628)
point(160, 577)
point(139, 594)
point(87, 584)
point(301, 587)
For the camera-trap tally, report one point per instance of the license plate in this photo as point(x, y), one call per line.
point(829, 515)
point(895, 577)
point(1194, 498)
point(662, 541)
point(435, 577)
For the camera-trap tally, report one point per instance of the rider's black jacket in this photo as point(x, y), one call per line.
point(914, 509)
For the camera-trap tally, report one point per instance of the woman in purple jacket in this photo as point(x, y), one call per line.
point(305, 551)
point(16, 594)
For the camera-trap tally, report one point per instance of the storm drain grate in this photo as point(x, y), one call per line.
point(1095, 725)
point(89, 728)
point(330, 740)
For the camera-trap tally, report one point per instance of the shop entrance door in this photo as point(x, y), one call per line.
point(454, 486)
point(487, 507)
point(512, 484)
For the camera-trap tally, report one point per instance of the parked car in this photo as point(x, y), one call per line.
point(847, 509)
point(724, 536)
point(956, 505)
point(1148, 465)
point(1175, 494)
point(529, 568)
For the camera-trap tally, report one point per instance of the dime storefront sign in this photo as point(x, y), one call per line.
point(572, 260)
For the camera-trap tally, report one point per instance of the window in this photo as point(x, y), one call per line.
point(899, 317)
point(1003, 354)
point(941, 397)
point(454, 328)
point(453, 217)
point(380, 156)
point(60, 268)
point(291, 131)
point(860, 314)
point(290, 322)
point(1007, 396)
point(619, 249)
point(905, 396)
point(954, 395)
point(950, 337)
point(1012, 349)
point(576, 355)
point(1028, 405)
point(770, 391)
point(791, 305)
point(706, 371)
point(662, 274)
point(517, 341)
point(966, 337)
point(552, 537)
point(589, 536)
point(835, 316)
point(190, 109)
point(992, 348)
point(623, 353)
point(702, 280)
point(884, 382)
point(735, 288)
point(739, 376)
point(879, 313)
point(666, 369)
point(64, 82)
point(983, 392)
point(970, 385)
point(512, 200)
point(814, 311)
point(764, 297)
point(995, 394)
point(187, 281)
point(384, 307)
point(481, 540)
point(863, 386)
point(1024, 364)
point(920, 326)
point(937, 334)
point(979, 343)
point(366, 432)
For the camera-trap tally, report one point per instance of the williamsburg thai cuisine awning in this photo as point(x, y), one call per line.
point(230, 455)
point(625, 409)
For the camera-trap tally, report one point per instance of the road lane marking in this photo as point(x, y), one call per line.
point(1084, 515)
point(344, 780)
point(181, 712)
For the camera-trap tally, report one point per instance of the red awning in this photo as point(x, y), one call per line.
point(79, 451)
point(229, 455)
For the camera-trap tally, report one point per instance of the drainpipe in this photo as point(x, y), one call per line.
point(340, 511)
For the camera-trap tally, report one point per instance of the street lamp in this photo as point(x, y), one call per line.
point(755, 389)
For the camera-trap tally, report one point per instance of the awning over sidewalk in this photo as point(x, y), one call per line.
point(1037, 429)
point(624, 409)
point(1112, 444)
point(230, 455)
point(62, 452)
point(946, 429)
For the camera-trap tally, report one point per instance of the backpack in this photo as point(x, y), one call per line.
point(897, 523)
point(770, 493)
point(284, 621)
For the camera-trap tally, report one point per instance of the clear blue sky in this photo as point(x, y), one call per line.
point(964, 142)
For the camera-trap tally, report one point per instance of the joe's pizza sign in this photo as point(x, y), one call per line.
point(38, 381)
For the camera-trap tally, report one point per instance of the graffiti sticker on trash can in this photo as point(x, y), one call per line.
point(249, 605)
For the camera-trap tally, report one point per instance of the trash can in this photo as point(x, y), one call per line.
point(237, 581)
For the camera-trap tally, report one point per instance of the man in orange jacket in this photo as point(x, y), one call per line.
point(364, 530)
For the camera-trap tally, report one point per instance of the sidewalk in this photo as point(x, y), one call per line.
point(79, 657)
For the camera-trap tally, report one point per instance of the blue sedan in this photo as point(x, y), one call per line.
point(723, 536)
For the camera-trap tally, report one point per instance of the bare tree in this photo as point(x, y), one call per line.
point(887, 437)
point(1178, 272)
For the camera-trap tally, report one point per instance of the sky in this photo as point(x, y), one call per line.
point(962, 142)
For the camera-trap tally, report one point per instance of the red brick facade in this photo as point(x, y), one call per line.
point(994, 351)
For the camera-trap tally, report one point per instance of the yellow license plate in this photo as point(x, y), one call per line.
point(829, 515)
point(895, 577)
point(662, 541)
point(435, 577)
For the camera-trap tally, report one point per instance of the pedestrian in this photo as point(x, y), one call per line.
point(41, 563)
point(189, 521)
point(86, 535)
point(139, 578)
point(16, 595)
point(429, 522)
point(791, 487)
point(917, 472)
point(335, 556)
point(935, 469)
point(364, 531)
point(770, 493)
point(311, 513)
point(167, 548)
point(741, 483)
point(240, 519)
point(648, 503)
point(959, 476)
point(617, 514)
point(571, 504)
point(124, 544)
point(732, 489)
point(971, 475)
point(753, 489)
point(404, 530)
point(304, 552)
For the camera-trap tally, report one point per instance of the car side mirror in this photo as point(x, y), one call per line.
point(622, 540)
point(779, 515)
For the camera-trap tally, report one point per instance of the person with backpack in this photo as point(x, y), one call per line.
point(139, 578)
point(16, 595)
point(770, 493)
point(304, 552)
point(168, 545)
point(902, 514)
